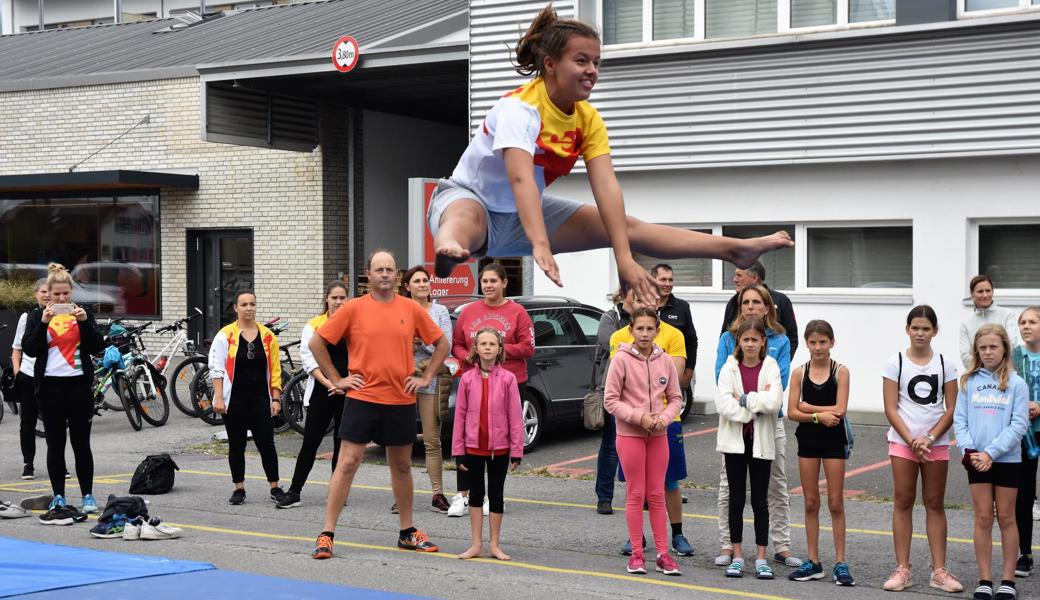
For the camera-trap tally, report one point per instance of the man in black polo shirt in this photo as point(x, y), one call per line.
point(676, 312)
point(756, 273)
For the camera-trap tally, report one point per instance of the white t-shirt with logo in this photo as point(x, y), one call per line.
point(921, 399)
point(28, 362)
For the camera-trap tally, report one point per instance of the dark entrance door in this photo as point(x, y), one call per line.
point(220, 264)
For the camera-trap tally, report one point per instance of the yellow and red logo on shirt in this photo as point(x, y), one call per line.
point(64, 336)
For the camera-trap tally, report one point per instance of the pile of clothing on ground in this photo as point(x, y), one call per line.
point(127, 517)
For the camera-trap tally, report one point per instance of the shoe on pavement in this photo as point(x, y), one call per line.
point(155, 529)
point(626, 549)
point(842, 576)
point(439, 504)
point(10, 511)
point(636, 565)
point(28, 472)
point(89, 505)
point(1022, 567)
point(983, 592)
point(132, 529)
point(735, 568)
point(943, 580)
point(723, 559)
point(67, 476)
point(322, 548)
point(37, 502)
point(418, 541)
point(807, 571)
point(666, 564)
point(394, 510)
point(237, 497)
point(763, 570)
point(603, 507)
point(112, 529)
point(681, 545)
point(1006, 592)
point(277, 494)
point(62, 515)
point(459, 505)
point(899, 580)
point(291, 499)
point(788, 561)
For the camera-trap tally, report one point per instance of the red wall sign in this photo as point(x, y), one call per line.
point(345, 53)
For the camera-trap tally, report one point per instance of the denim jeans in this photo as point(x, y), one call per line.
point(607, 462)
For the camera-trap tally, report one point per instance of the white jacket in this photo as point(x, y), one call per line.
point(998, 315)
point(761, 407)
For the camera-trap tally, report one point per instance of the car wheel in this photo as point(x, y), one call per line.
point(534, 422)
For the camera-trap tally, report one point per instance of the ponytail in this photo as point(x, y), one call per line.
point(547, 36)
point(57, 273)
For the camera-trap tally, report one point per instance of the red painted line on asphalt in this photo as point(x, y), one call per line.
point(555, 468)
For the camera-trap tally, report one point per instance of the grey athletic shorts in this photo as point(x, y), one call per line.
point(505, 235)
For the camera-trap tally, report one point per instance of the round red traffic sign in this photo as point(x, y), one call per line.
point(345, 53)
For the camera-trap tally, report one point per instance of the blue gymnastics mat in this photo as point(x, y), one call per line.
point(27, 567)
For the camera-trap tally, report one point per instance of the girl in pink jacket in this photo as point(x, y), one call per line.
point(640, 380)
point(488, 435)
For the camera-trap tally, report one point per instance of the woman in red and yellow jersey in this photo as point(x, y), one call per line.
point(247, 387)
point(495, 203)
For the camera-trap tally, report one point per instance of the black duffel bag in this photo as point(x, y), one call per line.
point(154, 475)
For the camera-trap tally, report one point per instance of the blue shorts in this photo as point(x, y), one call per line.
point(505, 234)
point(676, 458)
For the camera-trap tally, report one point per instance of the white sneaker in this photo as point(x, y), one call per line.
point(487, 507)
point(10, 511)
point(132, 529)
point(1036, 510)
point(459, 506)
point(157, 530)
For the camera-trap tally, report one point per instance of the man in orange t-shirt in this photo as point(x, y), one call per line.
point(380, 406)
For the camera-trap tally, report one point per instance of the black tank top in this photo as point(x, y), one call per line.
point(819, 435)
point(250, 373)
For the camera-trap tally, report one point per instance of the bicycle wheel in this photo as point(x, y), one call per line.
point(292, 401)
point(202, 398)
point(181, 388)
point(153, 402)
point(110, 399)
point(128, 397)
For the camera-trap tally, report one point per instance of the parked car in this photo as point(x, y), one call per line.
point(560, 371)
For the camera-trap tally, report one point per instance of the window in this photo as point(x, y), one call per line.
point(813, 13)
point(622, 21)
point(589, 325)
point(1007, 253)
point(860, 257)
point(688, 272)
point(553, 328)
point(737, 18)
point(674, 19)
point(989, 4)
point(779, 265)
point(109, 243)
point(864, 11)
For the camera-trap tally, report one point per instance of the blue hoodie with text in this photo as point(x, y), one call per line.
point(990, 420)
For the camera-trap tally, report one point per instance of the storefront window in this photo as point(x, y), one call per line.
point(109, 243)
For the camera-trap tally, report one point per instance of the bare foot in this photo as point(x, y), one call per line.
point(750, 249)
point(449, 254)
point(472, 552)
point(496, 552)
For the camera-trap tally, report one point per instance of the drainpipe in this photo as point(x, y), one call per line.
point(39, 10)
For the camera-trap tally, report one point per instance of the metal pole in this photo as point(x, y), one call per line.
point(39, 9)
point(202, 7)
point(117, 9)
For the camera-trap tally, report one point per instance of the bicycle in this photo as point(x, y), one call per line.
point(141, 387)
point(186, 370)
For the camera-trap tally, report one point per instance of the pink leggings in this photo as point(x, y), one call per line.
point(645, 461)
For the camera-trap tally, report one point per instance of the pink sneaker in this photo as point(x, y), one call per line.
point(666, 564)
point(943, 580)
point(899, 580)
point(636, 566)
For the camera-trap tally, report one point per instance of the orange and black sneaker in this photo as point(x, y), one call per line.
point(323, 548)
point(416, 540)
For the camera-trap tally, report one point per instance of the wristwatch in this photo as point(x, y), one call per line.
point(931, 438)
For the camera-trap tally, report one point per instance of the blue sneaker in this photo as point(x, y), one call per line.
point(681, 545)
point(626, 550)
point(112, 529)
point(89, 505)
point(808, 570)
point(56, 502)
point(842, 576)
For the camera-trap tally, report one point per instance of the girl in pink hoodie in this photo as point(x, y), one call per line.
point(488, 435)
point(640, 380)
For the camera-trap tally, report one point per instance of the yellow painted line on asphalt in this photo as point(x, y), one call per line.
point(491, 561)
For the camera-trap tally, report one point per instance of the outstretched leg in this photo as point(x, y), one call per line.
point(584, 230)
point(463, 230)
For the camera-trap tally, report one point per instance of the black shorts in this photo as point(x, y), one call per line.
point(805, 451)
point(1000, 474)
point(384, 424)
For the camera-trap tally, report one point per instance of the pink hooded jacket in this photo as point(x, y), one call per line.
point(505, 424)
point(637, 385)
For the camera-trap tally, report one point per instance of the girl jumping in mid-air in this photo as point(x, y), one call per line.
point(495, 202)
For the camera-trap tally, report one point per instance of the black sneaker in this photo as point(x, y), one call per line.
point(62, 515)
point(1024, 565)
point(237, 497)
point(1006, 591)
point(603, 507)
point(277, 494)
point(37, 502)
point(290, 499)
point(28, 472)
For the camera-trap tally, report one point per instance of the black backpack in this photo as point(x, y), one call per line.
point(154, 475)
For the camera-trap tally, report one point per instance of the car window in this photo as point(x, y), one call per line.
point(588, 322)
point(552, 327)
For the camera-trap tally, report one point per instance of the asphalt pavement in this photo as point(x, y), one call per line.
point(560, 547)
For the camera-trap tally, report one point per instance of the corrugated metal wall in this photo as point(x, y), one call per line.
point(972, 91)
